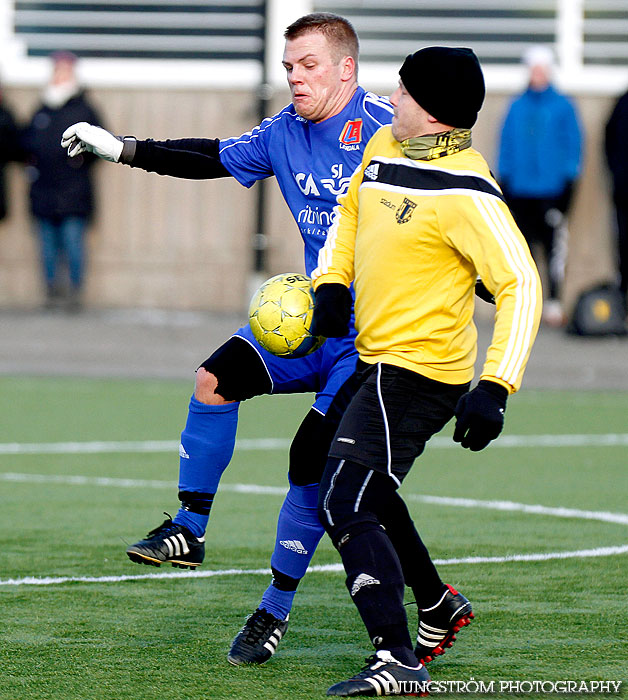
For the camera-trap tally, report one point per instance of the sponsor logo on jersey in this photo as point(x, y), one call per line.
point(182, 453)
point(404, 212)
point(306, 184)
point(294, 546)
point(361, 581)
point(313, 215)
point(336, 184)
point(351, 135)
point(371, 171)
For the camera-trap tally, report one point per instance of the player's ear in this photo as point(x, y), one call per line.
point(348, 68)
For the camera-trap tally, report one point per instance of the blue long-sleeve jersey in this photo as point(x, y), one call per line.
point(313, 162)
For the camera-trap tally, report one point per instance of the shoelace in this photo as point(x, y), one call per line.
point(166, 526)
point(257, 625)
point(370, 661)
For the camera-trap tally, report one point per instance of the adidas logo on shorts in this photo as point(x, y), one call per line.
point(349, 441)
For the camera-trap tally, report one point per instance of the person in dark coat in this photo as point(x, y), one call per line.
point(61, 191)
point(9, 149)
point(616, 148)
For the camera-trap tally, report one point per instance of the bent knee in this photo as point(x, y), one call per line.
point(234, 372)
point(205, 388)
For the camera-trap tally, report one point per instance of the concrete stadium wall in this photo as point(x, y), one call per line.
point(160, 242)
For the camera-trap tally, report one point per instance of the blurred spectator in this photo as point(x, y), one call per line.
point(61, 192)
point(9, 149)
point(616, 147)
point(538, 165)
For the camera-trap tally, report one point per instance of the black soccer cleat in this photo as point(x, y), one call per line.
point(384, 675)
point(257, 641)
point(169, 544)
point(438, 625)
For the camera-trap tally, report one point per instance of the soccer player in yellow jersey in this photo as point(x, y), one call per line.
point(422, 219)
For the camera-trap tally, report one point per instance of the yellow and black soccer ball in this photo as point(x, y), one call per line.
point(280, 316)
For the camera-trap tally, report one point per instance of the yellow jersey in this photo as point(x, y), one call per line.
point(414, 235)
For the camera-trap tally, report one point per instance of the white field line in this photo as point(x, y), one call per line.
point(604, 516)
point(79, 480)
point(247, 444)
point(125, 446)
point(547, 556)
point(278, 443)
point(532, 509)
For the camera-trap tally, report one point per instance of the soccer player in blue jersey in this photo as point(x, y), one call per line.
point(312, 147)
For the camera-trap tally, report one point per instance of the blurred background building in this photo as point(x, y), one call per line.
point(173, 69)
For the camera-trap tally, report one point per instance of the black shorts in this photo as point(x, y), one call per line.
point(391, 417)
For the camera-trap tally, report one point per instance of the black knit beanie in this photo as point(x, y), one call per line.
point(447, 83)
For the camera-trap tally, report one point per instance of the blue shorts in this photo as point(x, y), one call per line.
point(322, 372)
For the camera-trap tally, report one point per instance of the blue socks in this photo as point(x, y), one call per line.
point(207, 444)
point(298, 534)
point(277, 603)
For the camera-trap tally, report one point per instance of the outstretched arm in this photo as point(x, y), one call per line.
point(194, 159)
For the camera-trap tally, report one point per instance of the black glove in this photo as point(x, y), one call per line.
point(332, 310)
point(480, 415)
point(482, 292)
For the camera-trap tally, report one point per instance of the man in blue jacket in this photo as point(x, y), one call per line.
point(540, 155)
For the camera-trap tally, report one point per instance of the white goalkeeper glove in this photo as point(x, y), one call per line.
point(82, 137)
